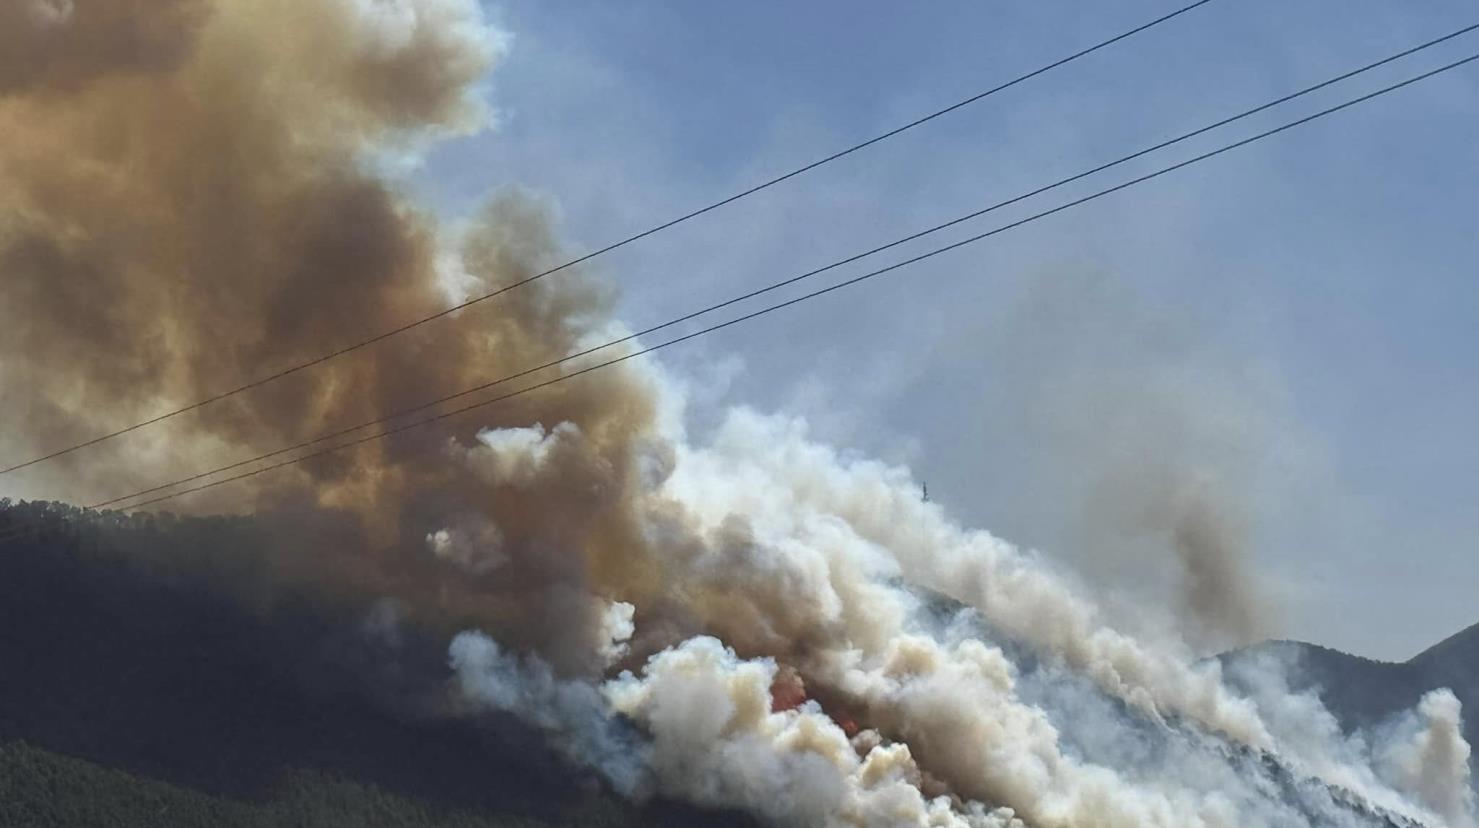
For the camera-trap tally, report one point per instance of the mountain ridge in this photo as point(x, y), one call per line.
point(1363, 693)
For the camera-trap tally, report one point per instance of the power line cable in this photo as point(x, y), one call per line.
point(608, 248)
point(794, 279)
point(830, 288)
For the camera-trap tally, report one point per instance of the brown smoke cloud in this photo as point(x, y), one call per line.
point(190, 202)
point(56, 46)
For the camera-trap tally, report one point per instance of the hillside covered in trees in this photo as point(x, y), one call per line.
point(137, 689)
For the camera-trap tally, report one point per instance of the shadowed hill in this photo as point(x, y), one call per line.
point(244, 711)
point(41, 789)
point(1453, 663)
point(1362, 692)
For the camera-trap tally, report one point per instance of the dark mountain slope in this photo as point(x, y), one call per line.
point(168, 678)
point(41, 789)
point(1362, 692)
point(1453, 663)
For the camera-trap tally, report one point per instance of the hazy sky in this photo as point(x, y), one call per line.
point(1291, 325)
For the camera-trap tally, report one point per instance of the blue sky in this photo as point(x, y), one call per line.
point(1293, 321)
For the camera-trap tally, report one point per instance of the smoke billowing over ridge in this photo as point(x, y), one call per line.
point(191, 199)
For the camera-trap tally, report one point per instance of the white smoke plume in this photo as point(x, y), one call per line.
point(1427, 757)
point(717, 739)
point(616, 628)
point(190, 196)
point(571, 712)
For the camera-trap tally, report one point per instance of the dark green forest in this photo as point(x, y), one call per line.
point(40, 789)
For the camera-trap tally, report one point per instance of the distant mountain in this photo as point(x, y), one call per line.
point(1362, 692)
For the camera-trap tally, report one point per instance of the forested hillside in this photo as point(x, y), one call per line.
point(40, 789)
point(136, 689)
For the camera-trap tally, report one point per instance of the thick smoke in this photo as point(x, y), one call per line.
point(192, 198)
point(59, 45)
point(718, 739)
point(187, 219)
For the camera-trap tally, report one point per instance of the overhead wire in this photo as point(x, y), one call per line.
point(405, 412)
point(445, 312)
point(828, 289)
